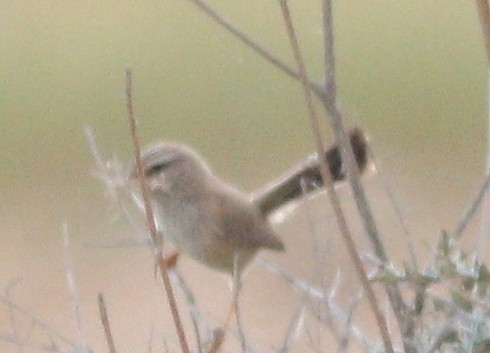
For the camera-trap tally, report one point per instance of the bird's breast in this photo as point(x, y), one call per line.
point(195, 229)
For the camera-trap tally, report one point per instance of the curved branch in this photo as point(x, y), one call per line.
point(253, 44)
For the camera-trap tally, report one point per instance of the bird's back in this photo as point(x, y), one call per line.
point(243, 223)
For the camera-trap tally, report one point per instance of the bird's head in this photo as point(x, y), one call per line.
point(172, 167)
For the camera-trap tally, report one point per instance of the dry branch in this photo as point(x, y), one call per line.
point(36, 322)
point(484, 15)
point(104, 318)
point(157, 238)
point(72, 288)
point(386, 186)
point(328, 180)
point(329, 100)
point(250, 42)
point(472, 208)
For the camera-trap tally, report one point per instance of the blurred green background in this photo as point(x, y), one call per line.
point(411, 73)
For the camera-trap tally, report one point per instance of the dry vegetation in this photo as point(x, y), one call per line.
point(441, 307)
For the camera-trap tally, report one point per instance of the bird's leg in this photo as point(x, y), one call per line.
point(233, 309)
point(235, 291)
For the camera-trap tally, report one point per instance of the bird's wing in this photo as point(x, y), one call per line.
point(242, 223)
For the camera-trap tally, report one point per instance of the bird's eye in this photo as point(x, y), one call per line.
point(156, 169)
point(162, 164)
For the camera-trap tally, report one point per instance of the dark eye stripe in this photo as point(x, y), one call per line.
point(163, 163)
point(156, 169)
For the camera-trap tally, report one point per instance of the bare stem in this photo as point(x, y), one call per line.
point(484, 15)
point(251, 43)
point(329, 99)
point(345, 338)
point(473, 207)
point(38, 322)
point(324, 295)
point(201, 329)
point(485, 211)
point(337, 123)
point(327, 178)
point(155, 235)
point(296, 325)
point(71, 282)
point(329, 84)
point(12, 316)
point(391, 196)
point(105, 323)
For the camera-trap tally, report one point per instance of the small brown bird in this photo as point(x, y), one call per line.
point(204, 217)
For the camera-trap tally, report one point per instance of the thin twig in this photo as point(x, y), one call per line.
point(471, 210)
point(320, 252)
point(328, 312)
point(250, 42)
point(33, 347)
point(329, 85)
point(329, 100)
point(38, 322)
point(115, 182)
point(318, 274)
point(485, 212)
point(394, 203)
point(294, 328)
point(155, 235)
point(105, 323)
point(11, 309)
point(327, 178)
point(345, 337)
point(71, 282)
point(484, 15)
point(197, 319)
point(304, 287)
point(99, 161)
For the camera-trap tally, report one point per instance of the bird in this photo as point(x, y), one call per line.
point(203, 216)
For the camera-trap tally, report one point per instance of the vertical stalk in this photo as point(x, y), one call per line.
point(329, 100)
point(484, 15)
point(156, 237)
point(327, 179)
